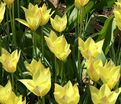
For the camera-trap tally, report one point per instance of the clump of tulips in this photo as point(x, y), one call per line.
point(53, 69)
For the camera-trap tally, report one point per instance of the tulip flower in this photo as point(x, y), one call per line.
point(9, 61)
point(31, 67)
point(7, 96)
point(45, 15)
point(2, 11)
point(80, 3)
point(110, 74)
point(58, 23)
point(33, 17)
point(90, 48)
point(93, 68)
point(58, 46)
point(117, 14)
point(9, 2)
point(68, 94)
point(104, 95)
point(40, 83)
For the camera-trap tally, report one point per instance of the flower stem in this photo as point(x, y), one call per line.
point(34, 44)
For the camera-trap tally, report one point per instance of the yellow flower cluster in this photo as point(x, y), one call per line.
point(108, 73)
point(7, 96)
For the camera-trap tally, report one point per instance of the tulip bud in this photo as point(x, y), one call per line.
point(45, 15)
point(104, 95)
point(58, 23)
point(93, 68)
point(58, 45)
point(68, 94)
point(9, 61)
point(89, 48)
point(8, 2)
point(110, 74)
point(80, 3)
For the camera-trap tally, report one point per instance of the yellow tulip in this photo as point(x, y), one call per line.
point(45, 15)
point(104, 95)
point(80, 3)
point(9, 61)
point(34, 66)
point(9, 2)
point(58, 45)
point(90, 48)
point(117, 14)
point(40, 83)
point(58, 23)
point(7, 96)
point(33, 17)
point(110, 74)
point(93, 69)
point(68, 94)
point(2, 11)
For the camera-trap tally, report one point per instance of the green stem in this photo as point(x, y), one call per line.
point(43, 100)
point(18, 11)
point(34, 44)
point(7, 17)
point(12, 80)
point(62, 72)
point(11, 13)
point(42, 41)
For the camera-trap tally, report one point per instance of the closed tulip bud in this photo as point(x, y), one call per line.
point(40, 83)
point(2, 11)
point(80, 3)
point(32, 15)
point(90, 48)
point(7, 96)
point(58, 46)
point(9, 61)
point(9, 2)
point(59, 23)
point(45, 15)
point(110, 74)
point(117, 14)
point(104, 95)
point(68, 94)
point(93, 69)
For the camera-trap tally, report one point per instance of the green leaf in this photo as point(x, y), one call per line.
point(107, 33)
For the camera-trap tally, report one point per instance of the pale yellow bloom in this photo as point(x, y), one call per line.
point(110, 74)
point(90, 48)
point(33, 17)
point(45, 15)
point(9, 2)
point(58, 45)
point(104, 95)
point(7, 96)
point(80, 3)
point(93, 69)
point(68, 94)
point(59, 23)
point(117, 14)
point(40, 83)
point(2, 11)
point(9, 61)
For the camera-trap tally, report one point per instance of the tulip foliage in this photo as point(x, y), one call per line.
point(67, 52)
